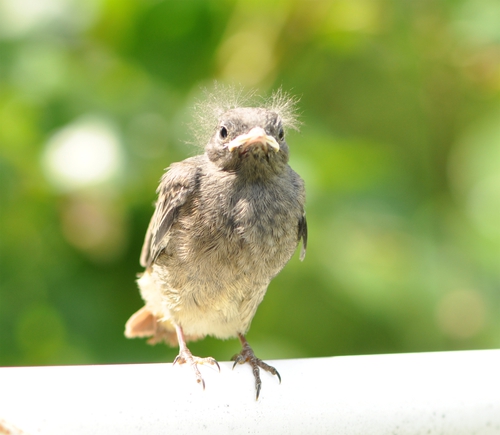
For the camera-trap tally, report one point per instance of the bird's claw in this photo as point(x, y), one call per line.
point(247, 355)
point(185, 356)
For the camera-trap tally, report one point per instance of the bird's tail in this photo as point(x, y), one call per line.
point(144, 323)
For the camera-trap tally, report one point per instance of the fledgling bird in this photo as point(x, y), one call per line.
point(226, 222)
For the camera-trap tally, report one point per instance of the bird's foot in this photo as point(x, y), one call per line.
point(247, 355)
point(186, 357)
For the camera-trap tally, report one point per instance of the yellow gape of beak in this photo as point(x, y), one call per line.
point(255, 135)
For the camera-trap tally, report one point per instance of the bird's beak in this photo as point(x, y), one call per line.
point(255, 135)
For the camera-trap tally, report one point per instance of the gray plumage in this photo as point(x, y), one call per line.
point(226, 222)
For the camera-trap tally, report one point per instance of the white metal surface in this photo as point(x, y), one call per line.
point(427, 393)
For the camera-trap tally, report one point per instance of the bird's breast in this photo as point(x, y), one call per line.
point(258, 221)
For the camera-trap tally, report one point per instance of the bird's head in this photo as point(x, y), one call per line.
point(249, 140)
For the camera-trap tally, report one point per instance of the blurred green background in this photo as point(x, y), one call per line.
point(400, 151)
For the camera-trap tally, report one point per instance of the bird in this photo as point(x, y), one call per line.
point(225, 223)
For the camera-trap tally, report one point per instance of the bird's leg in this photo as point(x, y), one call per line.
point(185, 356)
point(247, 355)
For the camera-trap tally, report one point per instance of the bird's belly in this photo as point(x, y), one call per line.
point(222, 318)
point(211, 300)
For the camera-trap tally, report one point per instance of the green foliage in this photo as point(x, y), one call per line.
point(399, 148)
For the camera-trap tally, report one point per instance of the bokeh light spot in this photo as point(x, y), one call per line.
point(247, 57)
point(94, 225)
point(461, 314)
point(85, 153)
point(22, 16)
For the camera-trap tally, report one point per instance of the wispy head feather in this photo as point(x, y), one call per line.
point(285, 105)
point(223, 98)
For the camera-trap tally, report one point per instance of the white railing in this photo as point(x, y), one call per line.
point(427, 393)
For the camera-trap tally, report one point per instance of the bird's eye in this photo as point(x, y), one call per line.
point(281, 133)
point(223, 132)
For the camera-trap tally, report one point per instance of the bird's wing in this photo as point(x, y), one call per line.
point(303, 236)
point(176, 186)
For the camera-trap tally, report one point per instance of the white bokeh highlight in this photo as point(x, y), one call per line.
point(83, 154)
point(19, 17)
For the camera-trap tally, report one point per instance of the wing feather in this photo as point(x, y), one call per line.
point(176, 187)
point(303, 236)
